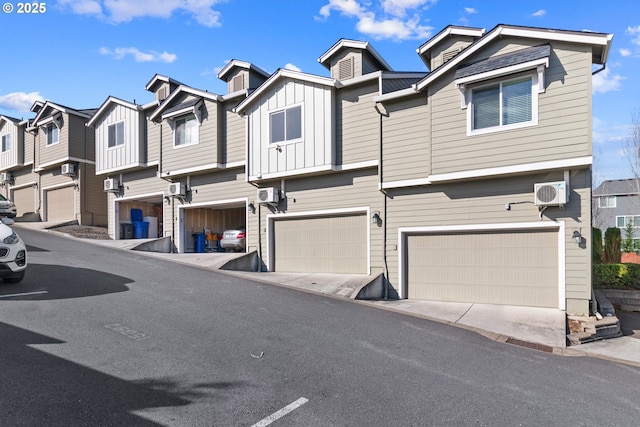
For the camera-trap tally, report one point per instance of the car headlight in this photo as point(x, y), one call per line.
point(11, 239)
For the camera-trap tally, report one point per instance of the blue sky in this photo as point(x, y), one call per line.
point(79, 52)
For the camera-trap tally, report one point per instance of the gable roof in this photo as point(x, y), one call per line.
point(600, 41)
point(281, 74)
point(503, 61)
point(13, 120)
point(159, 78)
point(169, 102)
point(355, 44)
point(451, 30)
point(84, 113)
point(107, 104)
point(618, 187)
point(235, 63)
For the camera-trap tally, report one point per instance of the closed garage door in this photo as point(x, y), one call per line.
point(336, 244)
point(506, 267)
point(60, 204)
point(24, 199)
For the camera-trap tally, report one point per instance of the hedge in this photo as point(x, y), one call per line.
point(616, 276)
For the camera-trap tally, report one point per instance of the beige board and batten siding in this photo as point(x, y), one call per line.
point(204, 153)
point(563, 129)
point(120, 156)
point(405, 133)
point(357, 124)
point(472, 203)
point(317, 145)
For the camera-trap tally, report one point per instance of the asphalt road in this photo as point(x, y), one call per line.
point(101, 337)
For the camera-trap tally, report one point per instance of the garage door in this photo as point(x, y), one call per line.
point(24, 199)
point(60, 204)
point(321, 245)
point(506, 267)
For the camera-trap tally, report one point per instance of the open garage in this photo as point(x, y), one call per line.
point(211, 220)
point(511, 267)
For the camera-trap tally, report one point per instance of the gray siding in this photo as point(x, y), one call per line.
point(14, 156)
point(153, 136)
point(452, 43)
point(357, 124)
point(202, 154)
point(234, 131)
point(483, 202)
point(81, 139)
point(564, 120)
point(406, 140)
point(358, 66)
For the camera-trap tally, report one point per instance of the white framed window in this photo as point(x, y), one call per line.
point(607, 202)
point(53, 134)
point(622, 221)
point(6, 142)
point(115, 134)
point(285, 125)
point(502, 105)
point(186, 131)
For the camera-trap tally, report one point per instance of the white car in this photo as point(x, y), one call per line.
point(13, 253)
point(7, 207)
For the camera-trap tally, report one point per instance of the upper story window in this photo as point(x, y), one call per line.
point(286, 125)
point(624, 221)
point(503, 105)
point(53, 134)
point(186, 130)
point(607, 202)
point(6, 142)
point(115, 134)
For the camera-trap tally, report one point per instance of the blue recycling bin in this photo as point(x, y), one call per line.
point(199, 242)
point(140, 230)
point(136, 215)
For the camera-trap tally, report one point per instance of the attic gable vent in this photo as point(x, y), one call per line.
point(237, 83)
point(449, 55)
point(345, 69)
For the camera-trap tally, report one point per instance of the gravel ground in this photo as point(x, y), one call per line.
point(84, 231)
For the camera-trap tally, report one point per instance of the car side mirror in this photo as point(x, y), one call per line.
point(7, 221)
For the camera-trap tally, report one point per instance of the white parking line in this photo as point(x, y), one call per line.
point(281, 413)
point(24, 294)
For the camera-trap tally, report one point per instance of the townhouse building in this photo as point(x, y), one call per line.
point(616, 203)
point(48, 166)
point(469, 182)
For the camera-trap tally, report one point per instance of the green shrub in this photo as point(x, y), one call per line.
point(612, 242)
point(616, 276)
point(596, 250)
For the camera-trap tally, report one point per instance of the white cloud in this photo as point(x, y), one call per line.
point(19, 101)
point(392, 23)
point(604, 82)
point(624, 52)
point(540, 12)
point(138, 55)
point(117, 11)
point(470, 10)
point(634, 32)
point(292, 67)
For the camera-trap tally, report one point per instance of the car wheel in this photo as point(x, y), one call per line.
point(14, 279)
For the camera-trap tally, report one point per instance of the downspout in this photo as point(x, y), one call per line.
point(604, 66)
point(84, 185)
point(383, 112)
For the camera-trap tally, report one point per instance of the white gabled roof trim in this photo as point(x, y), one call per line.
point(451, 30)
point(182, 89)
point(240, 64)
point(503, 71)
point(344, 43)
point(111, 100)
point(283, 73)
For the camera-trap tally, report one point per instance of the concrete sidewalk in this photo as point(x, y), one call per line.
point(537, 328)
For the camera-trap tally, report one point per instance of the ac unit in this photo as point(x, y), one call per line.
point(176, 189)
point(68, 169)
point(268, 195)
point(111, 185)
point(5, 177)
point(551, 193)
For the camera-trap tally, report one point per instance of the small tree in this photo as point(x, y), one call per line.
point(612, 242)
point(628, 244)
point(596, 245)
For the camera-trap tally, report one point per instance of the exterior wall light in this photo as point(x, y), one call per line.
point(251, 207)
point(577, 237)
point(376, 219)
